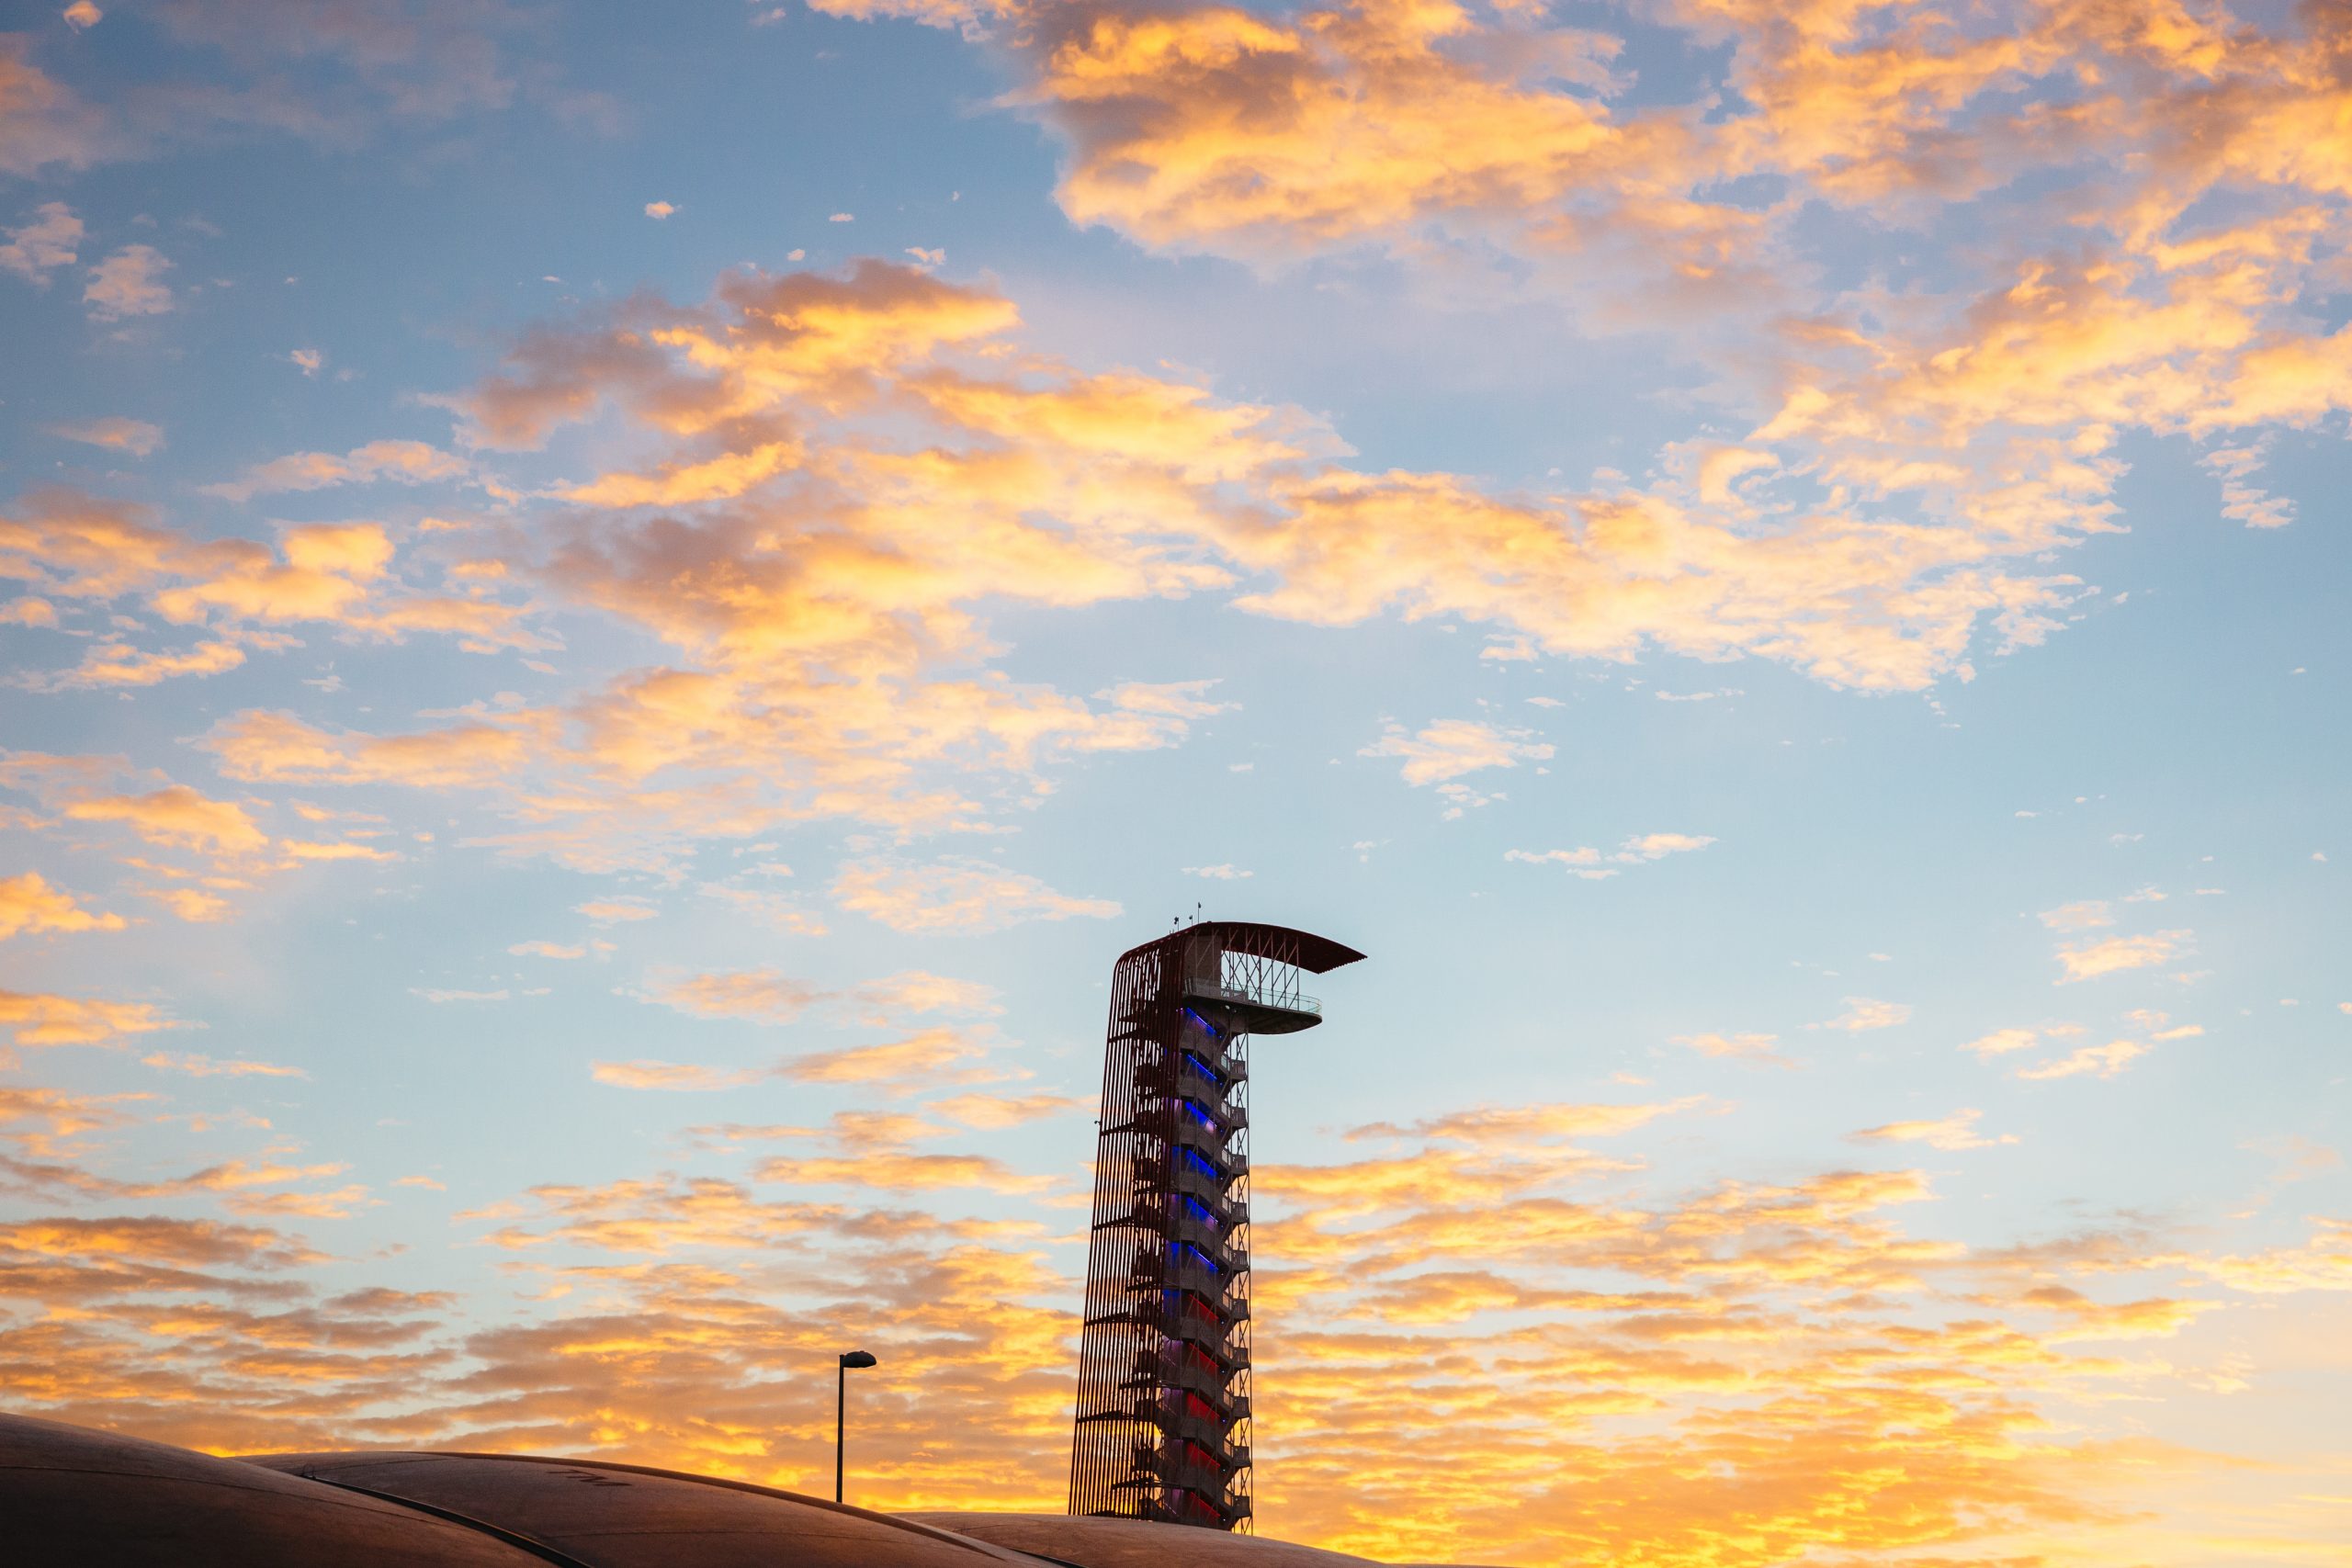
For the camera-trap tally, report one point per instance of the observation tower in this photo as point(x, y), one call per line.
point(1164, 1364)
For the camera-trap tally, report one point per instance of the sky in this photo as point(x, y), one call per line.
point(613, 612)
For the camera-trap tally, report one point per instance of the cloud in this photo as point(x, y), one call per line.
point(36, 1018)
point(2102, 1061)
point(2000, 1043)
point(541, 949)
point(676, 1076)
point(920, 991)
point(1750, 1047)
point(1657, 846)
point(81, 14)
point(1453, 746)
point(203, 1067)
point(1862, 1013)
point(992, 1112)
point(613, 911)
point(1583, 862)
point(2085, 916)
point(277, 747)
point(401, 462)
point(962, 897)
point(1957, 1130)
point(929, 1055)
point(2088, 961)
point(659, 209)
point(51, 241)
point(177, 816)
point(31, 907)
point(132, 436)
point(78, 547)
point(825, 654)
point(1222, 872)
point(128, 283)
point(762, 996)
point(117, 664)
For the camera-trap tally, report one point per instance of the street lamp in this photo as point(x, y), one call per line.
point(840, 1408)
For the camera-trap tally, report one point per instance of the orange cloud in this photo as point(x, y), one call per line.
point(966, 896)
point(135, 436)
point(30, 906)
point(213, 1066)
point(764, 996)
point(402, 462)
point(2102, 1061)
point(40, 1019)
point(930, 1054)
point(2088, 961)
point(1957, 1130)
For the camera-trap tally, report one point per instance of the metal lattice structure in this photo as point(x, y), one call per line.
point(1163, 1377)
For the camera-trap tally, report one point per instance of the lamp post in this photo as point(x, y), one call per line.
point(840, 1408)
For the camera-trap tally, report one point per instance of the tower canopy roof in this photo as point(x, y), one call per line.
point(1282, 944)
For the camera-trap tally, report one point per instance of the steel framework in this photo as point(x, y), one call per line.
point(1163, 1423)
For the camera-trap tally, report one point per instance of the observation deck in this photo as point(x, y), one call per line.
point(1246, 976)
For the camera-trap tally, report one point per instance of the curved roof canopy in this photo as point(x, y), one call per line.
point(1316, 954)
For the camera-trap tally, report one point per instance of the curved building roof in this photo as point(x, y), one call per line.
point(1134, 1543)
point(72, 1495)
point(93, 1499)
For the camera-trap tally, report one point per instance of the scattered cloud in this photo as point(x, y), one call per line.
point(202, 1066)
point(964, 897)
point(31, 907)
point(128, 283)
point(2099, 1060)
point(2001, 1042)
point(1452, 747)
point(132, 436)
point(673, 1076)
point(51, 241)
point(2088, 961)
point(1862, 1013)
point(36, 1018)
point(1957, 1130)
point(1752, 1047)
point(401, 462)
point(761, 996)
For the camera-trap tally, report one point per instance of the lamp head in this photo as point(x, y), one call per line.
point(857, 1358)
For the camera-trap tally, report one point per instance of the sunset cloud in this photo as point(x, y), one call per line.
point(38, 248)
point(763, 995)
point(1452, 747)
point(128, 283)
point(31, 907)
point(116, 433)
point(401, 462)
point(2099, 1061)
point(966, 896)
point(1957, 1130)
point(1863, 1014)
point(38, 1019)
point(2088, 961)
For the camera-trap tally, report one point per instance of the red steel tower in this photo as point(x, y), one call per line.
point(1164, 1366)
